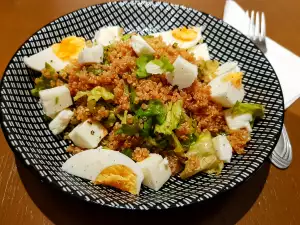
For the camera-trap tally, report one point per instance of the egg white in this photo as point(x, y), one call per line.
point(90, 163)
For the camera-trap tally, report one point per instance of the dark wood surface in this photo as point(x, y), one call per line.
point(271, 196)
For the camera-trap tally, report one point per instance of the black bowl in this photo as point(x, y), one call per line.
point(29, 137)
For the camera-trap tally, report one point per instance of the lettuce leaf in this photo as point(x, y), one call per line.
point(126, 37)
point(110, 121)
point(94, 95)
point(42, 82)
point(128, 129)
point(155, 109)
point(202, 157)
point(141, 63)
point(256, 110)
point(174, 112)
point(164, 64)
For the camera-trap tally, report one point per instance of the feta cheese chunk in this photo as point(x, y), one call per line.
point(156, 171)
point(200, 52)
point(223, 148)
point(37, 61)
point(238, 121)
point(140, 46)
point(228, 67)
point(224, 93)
point(108, 35)
point(93, 54)
point(184, 73)
point(88, 134)
point(55, 99)
point(152, 68)
point(61, 121)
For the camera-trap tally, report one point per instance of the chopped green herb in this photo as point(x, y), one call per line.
point(127, 152)
point(147, 127)
point(155, 109)
point(56, 100)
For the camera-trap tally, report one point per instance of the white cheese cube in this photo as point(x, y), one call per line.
point(55, 99)
point(184, 73)
point(61, 121)
point(223, 148)
point(88, 134)
point(140, 46)
point(93, 54)
point(156, 171)
point(228, 67)
point(152, 68)
point(108, 35)
point(200, 52)
point(224, 93)
point(238, 121)
point(38, 60)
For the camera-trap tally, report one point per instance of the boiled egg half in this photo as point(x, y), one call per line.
point(106, 167)
point(58, 55)
point(184, 37)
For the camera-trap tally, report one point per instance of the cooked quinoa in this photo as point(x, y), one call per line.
point(118, 76)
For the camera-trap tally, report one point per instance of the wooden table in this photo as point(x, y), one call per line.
point(272, 196)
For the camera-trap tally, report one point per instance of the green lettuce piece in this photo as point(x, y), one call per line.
point(94, 95)
point(43, 83)
point(94, 70)
point(141, 65)
point(127, 152)
point(128, 129)
point(202, 157)
point(174, 112)
point(164, 64)
point(256, 110)
point(110, 121)
point(216, 167)
point(178, 147)
point(100, 92)
point(191, 139)
point(155, 109)
point(126, 37)
point(207, 69)
point(50, 68)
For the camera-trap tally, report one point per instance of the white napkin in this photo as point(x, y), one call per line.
point(285, 63)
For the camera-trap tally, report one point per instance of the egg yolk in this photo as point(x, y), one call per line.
point(184, 34)
point(118, 176)
point(68, 48)
point(234, 78)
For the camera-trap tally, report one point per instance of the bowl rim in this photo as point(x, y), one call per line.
point(52, 184)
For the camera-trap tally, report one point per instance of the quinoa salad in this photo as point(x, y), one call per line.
point(140, 109)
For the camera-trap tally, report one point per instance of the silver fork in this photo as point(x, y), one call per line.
point(282, 156)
